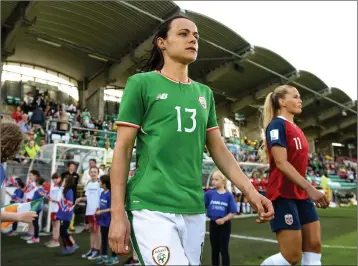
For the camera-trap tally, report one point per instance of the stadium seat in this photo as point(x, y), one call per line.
point(10, 100)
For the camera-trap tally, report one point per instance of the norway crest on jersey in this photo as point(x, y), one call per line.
point(202, 102)
point(289, 219)
point(161, 255)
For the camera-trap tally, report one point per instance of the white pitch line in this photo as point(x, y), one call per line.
point(275, 241)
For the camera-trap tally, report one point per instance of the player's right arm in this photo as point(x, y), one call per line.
point(129, 120)
point(276, 138)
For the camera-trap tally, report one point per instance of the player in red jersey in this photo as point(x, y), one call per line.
point(296, 222)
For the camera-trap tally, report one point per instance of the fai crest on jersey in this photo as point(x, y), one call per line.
point(202, 102)
point(289, 219)
point(161, 255)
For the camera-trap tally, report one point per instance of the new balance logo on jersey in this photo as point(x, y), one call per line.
point(162, 96)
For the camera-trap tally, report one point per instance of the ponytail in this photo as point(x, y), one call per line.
point(269, 112)
point(156, 60)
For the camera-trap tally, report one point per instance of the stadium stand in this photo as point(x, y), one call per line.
point(70, 40)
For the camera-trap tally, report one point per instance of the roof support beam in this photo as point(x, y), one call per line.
point(345, 123)
point(311, 99)
point(252, 98)
point(220, 71)
point(22, 16)
point(347, 136)
point(314, 121)
point(119, 72)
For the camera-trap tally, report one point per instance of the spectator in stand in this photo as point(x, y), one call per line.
point(86, 116)
point(24, 124)
point(76, 137)
point(24, 107)
point(48, 112)
point(42, 142)
point(57, 113)
point(86, 141)
point(38, 117)
point(17, 115)
point(109, 154)
point(90, 124)
point(31, 149)
point(71, 171)
point(39, 101)
point(78, 117)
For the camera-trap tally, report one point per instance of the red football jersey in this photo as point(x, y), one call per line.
point(286, 134)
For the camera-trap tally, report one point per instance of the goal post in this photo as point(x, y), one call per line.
point(53, 158)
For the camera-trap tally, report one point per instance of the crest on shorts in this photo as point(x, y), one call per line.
point(202, 101)
point(161, 255)
point(289, 219)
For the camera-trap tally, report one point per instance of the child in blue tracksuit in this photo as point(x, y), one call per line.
point(38, 194)
point(221, 208)
point(65, 216)
point(17, 196)
point(104, 221)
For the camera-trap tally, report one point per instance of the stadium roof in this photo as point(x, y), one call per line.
point(103, 43)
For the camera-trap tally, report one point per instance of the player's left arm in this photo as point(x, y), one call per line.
point(226, 162)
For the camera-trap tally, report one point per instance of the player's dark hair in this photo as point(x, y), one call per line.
point(269, 112)
point(93, 160)
point(156, 59)
point(105, 179)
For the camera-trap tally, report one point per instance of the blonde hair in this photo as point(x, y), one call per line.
point(223, 178)
point(269, 112)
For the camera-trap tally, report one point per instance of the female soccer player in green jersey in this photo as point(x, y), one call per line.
point(172, 117)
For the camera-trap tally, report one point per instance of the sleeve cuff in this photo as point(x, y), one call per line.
point(211, 128)
point(121, 123)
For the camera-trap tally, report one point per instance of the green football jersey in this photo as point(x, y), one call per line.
point(173, 119)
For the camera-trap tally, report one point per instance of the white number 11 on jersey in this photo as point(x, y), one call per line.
point(187, 110)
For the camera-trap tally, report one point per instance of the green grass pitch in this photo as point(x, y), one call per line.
point(339, 237)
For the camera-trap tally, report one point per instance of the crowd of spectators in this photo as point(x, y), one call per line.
point(32, 114)
point(67, 122)
point(320, 164)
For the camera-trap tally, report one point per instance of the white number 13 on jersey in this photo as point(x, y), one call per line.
point(187, 110)
point(298, 143)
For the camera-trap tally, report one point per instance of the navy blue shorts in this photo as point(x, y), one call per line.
point(292, 214)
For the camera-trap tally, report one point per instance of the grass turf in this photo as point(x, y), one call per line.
point(339, 228)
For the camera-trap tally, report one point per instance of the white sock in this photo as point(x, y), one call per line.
point(310, 258)
point(276, 259)
point(238, 204)
point(248, 207)
point(244, 208)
